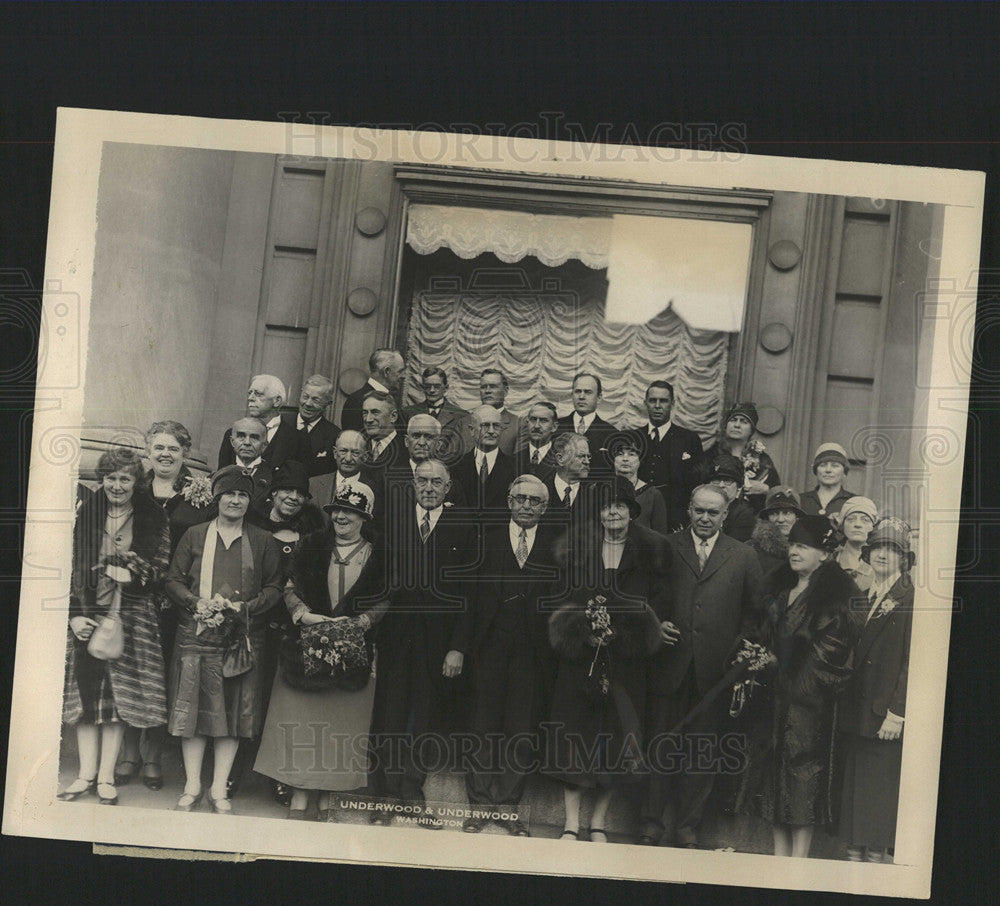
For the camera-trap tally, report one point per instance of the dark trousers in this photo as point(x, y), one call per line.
point(682, 766)
point(404, 709)
point(505, 712)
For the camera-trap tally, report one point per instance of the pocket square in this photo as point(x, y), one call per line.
point(321, 453)
point(685, 456)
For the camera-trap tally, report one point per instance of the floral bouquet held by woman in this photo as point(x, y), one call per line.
point(216, 612)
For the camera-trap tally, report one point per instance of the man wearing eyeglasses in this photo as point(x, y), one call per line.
point(513, 664)
point(453, 420)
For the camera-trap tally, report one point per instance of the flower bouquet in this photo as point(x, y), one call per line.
point(333, 647)
point(215, 612)
point(751, 459)
point(125, 566)
point(753, 658)
point(198, 491)
point(600, 626)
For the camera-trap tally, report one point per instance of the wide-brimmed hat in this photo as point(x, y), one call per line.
point(618, 490)
point(831, 453)
point(749, 410)
point(232, 478)
point(782, 497)
point(291, 475)
point(356, 498)
point(729, 468)
point(813, 531)
point(894, 532)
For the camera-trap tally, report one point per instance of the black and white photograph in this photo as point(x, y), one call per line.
point(423, 499)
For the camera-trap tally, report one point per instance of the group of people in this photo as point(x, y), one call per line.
point(501, 594)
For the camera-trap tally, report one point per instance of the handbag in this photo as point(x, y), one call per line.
point(107, 641)
point(238, 658)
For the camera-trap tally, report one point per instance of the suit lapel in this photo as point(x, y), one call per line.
point(688, 554)
point(720, 553)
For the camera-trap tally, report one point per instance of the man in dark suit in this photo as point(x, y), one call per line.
point(265, 397)
point(571, 497)
point(506, 630)
point(587, 391)
point(538, 457)
point(385, 375)
point(714, 581)
point(247, 441)
point(671, 454)
point(418, 657)
point(318, 433)
point(485, 473)
point(493, 387)
point(456, 439)
point(386, 454)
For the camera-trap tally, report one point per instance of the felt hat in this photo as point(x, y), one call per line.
point(749, 410)
point(232, 478)
point(729, 468)
point(831, 453)
point(782, 497)
point(858, 505)
point(291, 475)
point(618, 490)
point(355, 498)
point(894, 532)
point(813, 531)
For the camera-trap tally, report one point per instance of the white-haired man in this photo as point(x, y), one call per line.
point(265, 396)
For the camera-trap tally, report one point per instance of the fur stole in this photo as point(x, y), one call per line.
point(767, 539)
point(636, 632)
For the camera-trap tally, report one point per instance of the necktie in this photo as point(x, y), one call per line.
point(376, 449)
point(654, 434)
point(702, 554)
point(425, 526)
point(534, 457)
point(522, 549)
point(579, 426)
point(568, 497)
point(484, 472)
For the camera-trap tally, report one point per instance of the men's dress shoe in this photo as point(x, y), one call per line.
point(516, 828)
point(430, 822)
point(153, 781)
point(473, 824)
point(107, 793)
point(71, 795)
point(282, 794)
point(188, 802)
point(648, 839)
point(125, 771)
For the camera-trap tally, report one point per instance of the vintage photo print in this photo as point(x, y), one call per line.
point(453, 501)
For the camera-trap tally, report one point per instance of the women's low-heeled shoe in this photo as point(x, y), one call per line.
point(221, 806)
point(107, 793)
point(188, 802)
point(68, 795)
point(126, 770)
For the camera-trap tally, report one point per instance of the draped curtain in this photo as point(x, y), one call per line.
point(548, 328)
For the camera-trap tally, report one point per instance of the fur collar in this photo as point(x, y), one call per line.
point(767, 539)
point(829, 591)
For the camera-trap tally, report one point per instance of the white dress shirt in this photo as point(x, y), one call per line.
point(561, 487)
point(435, 514)
point(515, 536)
point(660, 430)
point(491, 460)
point(582, 423)
point(710, 546)
point(272, 426)
point(541, 451)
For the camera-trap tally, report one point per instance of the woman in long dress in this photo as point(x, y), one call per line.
point(186, 500)
point(120, 548)
point(238, 562)
point(599, 697)
point(872, 712)
point(808, 627)
point(338, 577)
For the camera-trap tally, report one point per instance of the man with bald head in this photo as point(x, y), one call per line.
point(247, 440)
point(493, 387)
point(505, 630)
point(347, 456)
point(265, 397)
point(386, 369)
point(485, 473)
point(419, 664)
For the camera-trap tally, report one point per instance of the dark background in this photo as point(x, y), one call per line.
point(893, 83)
